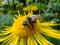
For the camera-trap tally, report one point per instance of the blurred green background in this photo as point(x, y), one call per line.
point(48, 9)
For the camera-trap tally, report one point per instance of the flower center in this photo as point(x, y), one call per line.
point(21, 30)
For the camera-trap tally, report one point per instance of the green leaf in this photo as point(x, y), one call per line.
point(40, 5)
point(48, 16)
point(4, 2)
point(10, 2)
point(6, 19)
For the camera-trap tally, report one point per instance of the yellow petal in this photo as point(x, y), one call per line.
point(19, 13)
point(12, 38)
point(22, 41)
point(8, 39)
point(41, 40)
point(50, 32)
point(32, 41)
point(2, 39)
point(30, 13)
point(28, 41)
point(48, 24)
point(15, 41)
point(4, 33)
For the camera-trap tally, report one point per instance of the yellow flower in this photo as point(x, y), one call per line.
point(1, 0)
point(1, 12)
point(1, 5)
point(30, 8)
point(28, 0)
point(18, 34)
point(20, 4)
point(56, 13)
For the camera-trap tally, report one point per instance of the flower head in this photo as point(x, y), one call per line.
point(1, 0)
point(20, 34)
point(30, 8)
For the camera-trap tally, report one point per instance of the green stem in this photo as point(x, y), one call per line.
point(12, 5)
point(8, 2)
point(36, 1)
point(8, 5)
point(49, 6)
point(39, 8)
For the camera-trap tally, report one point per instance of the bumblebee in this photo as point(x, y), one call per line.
point(29, 21)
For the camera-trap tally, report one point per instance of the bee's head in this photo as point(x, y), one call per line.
point(28, 20)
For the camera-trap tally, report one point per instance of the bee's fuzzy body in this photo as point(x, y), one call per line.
point(30, 21)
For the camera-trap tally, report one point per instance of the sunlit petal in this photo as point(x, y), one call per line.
point(50, 32)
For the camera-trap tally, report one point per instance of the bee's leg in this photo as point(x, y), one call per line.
point(32, 26)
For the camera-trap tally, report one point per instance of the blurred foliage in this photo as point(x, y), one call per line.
point(48, 9)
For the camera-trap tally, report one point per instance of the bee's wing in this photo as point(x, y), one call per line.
point(34, 17)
